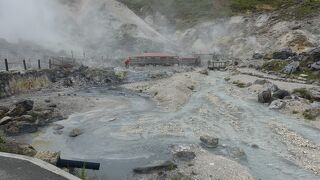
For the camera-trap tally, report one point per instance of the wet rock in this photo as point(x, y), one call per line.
point(16, 127)
point(291, 68)
point(75, 132)
point(58, 127)
point(20, 108)
point(204, 72)
point(5, 120)
point(162, 166)
point(264, 96)
point(49, 157)
point(52, 105)
point(257, 56)
point(277, 104)
point(184, 156)
point(261, 81)
point(315, 66)
point(3, 111)
point(255, 146)
point(209, 141)
point(284, 54)
point(47, 100)
point(280, 94)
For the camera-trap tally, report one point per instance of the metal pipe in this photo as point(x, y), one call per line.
point(6, 64)
point(64, 163)
point(24, 64)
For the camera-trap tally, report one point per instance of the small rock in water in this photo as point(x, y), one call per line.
point(167, 165)
point(47, 100)
point(210, 142)
point(204, 72)
point(255, 146)
point(75, 132)
point(58, 127)
point(184, 156)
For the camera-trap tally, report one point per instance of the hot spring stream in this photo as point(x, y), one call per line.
point(129, 132)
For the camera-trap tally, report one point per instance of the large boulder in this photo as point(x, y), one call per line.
point(291, 68)
point(20, 108)
point(3, 111)
point(277, 104)
point(49, 157)
point(315, 66)
point(315, 54)
point(280, 94)
point(16, 128)
point(284, 54)
point(209, 141)
point(265, 96)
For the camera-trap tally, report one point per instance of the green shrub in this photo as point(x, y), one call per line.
point(309, 114)
point(275, 65)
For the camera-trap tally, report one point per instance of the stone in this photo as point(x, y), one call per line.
point(291, 68)
point(19, 148)
point(280, 94)
point(209, 141)
point(257, 56)
point(315, 94)
point(284, 54)
point(67, 82)
point(75, 132)
point(58, 127)
point(52, 105)
point(162, 166)
point(271, 87)
point(184, 155)
point(47, 100)
point(49, 157)
point(204, 72)
point(3, 111)
point(20, 108)
point(26, 118)
point(315, 54)
point(264, 96)
point(315, 66)
point(16, 128)
point(5, 120)
point(277, 104)
point(261, 81)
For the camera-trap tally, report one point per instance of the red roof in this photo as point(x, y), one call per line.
point(155, 55)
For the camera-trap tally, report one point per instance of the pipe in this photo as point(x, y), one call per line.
point(65, 163)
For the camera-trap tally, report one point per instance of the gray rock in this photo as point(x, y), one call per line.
point(257, 56)
point(162, 166)
point(210, 142)
point(21, 108)
point(58, 127)
point(315, 54)
point(204, 72)
point(280, 94)
point(271, 87)
point(261, 81)
point(5, 120)
point(284, 54)
point(316, 66)
point(264, 96)
point(3, 111)
point(16, 128)
point(277, 104)
point(184, 155)
point(291, 68)
point(26, 118)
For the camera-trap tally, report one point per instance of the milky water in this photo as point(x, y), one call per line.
point(135, 132)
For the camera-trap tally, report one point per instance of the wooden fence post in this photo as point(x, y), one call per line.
point(24, 65)
point(39, 66)
point(6, 64)
point(50, 64)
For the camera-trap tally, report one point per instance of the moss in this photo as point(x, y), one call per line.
point(304, 93)
point(275, 65)
point(310, 114)
point(239, 84)
point(295, 112)
point(120, 74)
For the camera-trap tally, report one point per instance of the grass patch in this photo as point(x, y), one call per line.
point(275, 65)
point(304, 93)
point(311, 114)
point(239, 84)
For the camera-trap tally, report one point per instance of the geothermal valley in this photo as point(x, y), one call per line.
point(143, 90)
